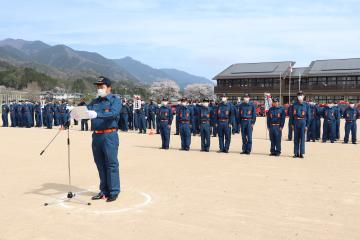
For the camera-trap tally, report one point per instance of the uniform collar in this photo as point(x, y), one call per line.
point(107, 97)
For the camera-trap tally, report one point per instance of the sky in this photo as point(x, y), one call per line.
point(200, 37)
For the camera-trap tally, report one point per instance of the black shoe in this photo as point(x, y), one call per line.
point(354, 143)
point(277, 154)
point(220, 151)
point(187, 149)
point(226, 151)
point(243, 153)
point(345, 142)
point(313, 140)
point(301, 156)
point(247, 153)
point(272, 154)
point(99, 196)
point(295, 156)
point(112, 198)
point(206, 150)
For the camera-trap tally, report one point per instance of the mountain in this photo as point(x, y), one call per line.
point(63, 62)
point(147, 74)
point(60, 60)
point(183, 78)
point(141, 71)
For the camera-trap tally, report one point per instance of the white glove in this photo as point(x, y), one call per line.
point(92, 114)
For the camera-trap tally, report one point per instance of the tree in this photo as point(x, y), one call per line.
point(166, 88)
point(199, 91)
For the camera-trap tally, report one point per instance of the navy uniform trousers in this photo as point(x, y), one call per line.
point(246, 134)
point(105, 150)
point(224, 134)
point(185, 135)
point(299, 136)
point(275, 138)
point(205, 136)
point(165, 134)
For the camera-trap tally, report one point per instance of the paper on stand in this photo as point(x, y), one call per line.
point(80, 112)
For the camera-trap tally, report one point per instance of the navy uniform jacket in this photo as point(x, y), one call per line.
point(275, 115)
point(247, 111)
point(143, 111)
point(108, 111)
point(37, 108)
point(165, 115)
point(151, 108)
point(213, 113)
point(330, 114)
point(186, 114)
point(5, 108)
point(351, 114)
point(125, 110)
point(300, 111)
point(204, 114)
point(225, 112)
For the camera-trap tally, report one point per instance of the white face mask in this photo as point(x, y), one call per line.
point(330, 105)
point(206, 104)
point(300, 98)
point(246, 100)
point(183, 103)
point(224, 99)
point(164, 103)
point(101, 92)
point(352, 105)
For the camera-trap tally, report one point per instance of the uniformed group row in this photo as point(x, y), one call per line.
point(32, 114)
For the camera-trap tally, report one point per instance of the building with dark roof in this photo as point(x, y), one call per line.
point(324, 80)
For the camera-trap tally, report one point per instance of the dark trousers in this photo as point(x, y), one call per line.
point(290, 131)
point(124, 122)
point(5, 119)
point(205, 136)
point(311, 133)
point(224, 132)
point(185, 135)
point(246, 134)
point(350, 127)
point(49, 121)
point(337, 129)
point(299, 136)
point(165, 134)
point(329, 130)
point(318, 128)
point(177, 126)
point(13, 119)
point(38, 119)
point(84, 124)
point(275, 139)
point(105, 151)
point(151, 121)
point(142, 123)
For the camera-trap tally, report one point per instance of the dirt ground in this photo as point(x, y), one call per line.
point(179, 195)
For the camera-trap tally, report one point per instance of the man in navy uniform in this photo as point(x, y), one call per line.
point(104, 113)
point(299, 119)
point(275, 123)
point(5, 114)
point(12, 109)
point(165, 120)
point(38, 117)
point(329, 129)
point(151, 114)
point(178, 106)
point(142, 115)
point(131, 115)
point(224, 118)
point(247, 117)
point(290, 129)
point(185, 122)
point(311, 133)
point(124, 116)
point(204, 118)
point(337, 120)
point(351, 114)
point(49, 109)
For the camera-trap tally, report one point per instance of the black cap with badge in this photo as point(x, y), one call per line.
point(103, 81)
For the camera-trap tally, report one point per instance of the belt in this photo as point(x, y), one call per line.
point(223, 120)
point(299, 118)
point(164, 120)
point(106, 131)
point(350, 121)
point(246, 119)
point(275, 124)
point(205, 121)
point(184, 121)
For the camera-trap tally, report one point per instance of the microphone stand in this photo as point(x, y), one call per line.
point(71, 196)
